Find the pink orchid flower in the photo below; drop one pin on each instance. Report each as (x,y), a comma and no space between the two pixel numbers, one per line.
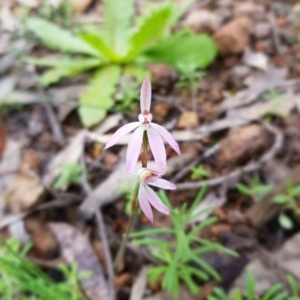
(147,196)
(155,134)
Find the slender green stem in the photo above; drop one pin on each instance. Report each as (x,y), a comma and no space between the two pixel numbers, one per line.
(120,254)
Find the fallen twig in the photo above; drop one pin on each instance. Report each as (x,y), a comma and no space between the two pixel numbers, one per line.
(55,125)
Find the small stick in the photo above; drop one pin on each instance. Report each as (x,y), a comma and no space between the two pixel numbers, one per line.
(54,123)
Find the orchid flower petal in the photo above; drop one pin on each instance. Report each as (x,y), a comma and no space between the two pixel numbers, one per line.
(122,131)
(155,201)
(167,136)
(157,147)
(145,98)
(144,203)
(162,184)
(134,149)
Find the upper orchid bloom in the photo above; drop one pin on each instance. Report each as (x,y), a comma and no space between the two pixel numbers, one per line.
(155,133)
(147,196)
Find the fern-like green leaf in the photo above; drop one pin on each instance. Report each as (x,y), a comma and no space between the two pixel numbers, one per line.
(150,28)
(98,96)
(184,51)
(57,38)
(118,16)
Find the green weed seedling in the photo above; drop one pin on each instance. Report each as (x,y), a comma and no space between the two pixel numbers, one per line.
(288,200)
(178,251)
(70,174)
(125,42)
(256,188)
(22,279)
(199,172)
(188,80)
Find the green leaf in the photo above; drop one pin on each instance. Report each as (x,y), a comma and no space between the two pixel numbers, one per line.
(271,293)
(263,189)
(282,199)
(285,221)
(57,38)
(295,191)
(150,28)
(147,232)
(118,16)
(66,68)
(282,296)
(98,96)
(237,294)
(243,189)
(220,293)
(207,268)
(155,272)
(250,285)
(184,51)
(97,41)
(186,276)
(293,285)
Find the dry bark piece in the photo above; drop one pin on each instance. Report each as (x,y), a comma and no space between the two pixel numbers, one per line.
(75,247)
(233,37)
(202,21)
(241,143)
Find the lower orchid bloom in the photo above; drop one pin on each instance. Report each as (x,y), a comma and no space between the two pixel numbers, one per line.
(155,134)
(147,197)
